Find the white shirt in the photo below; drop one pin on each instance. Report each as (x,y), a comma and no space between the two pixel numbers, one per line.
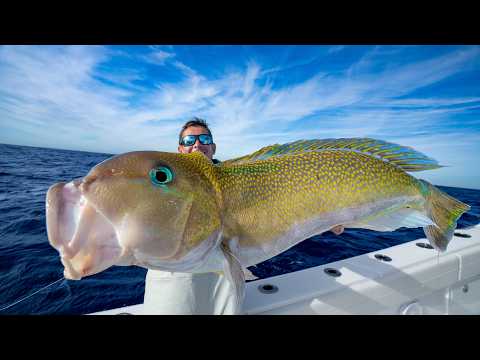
(173,293)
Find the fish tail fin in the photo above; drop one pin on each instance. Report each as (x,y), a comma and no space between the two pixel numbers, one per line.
(444,211)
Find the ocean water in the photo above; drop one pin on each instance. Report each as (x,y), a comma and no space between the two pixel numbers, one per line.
(28,263)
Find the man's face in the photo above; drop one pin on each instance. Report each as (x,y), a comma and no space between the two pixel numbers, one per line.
(208,150)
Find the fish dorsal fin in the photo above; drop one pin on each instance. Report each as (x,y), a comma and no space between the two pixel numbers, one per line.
(404,157)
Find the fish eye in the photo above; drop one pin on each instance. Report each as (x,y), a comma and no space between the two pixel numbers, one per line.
(161,175)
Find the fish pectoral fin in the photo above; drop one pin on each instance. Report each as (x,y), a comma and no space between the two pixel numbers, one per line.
(392,220)
(233,272)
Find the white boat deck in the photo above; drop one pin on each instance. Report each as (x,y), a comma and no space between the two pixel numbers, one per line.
(416,280)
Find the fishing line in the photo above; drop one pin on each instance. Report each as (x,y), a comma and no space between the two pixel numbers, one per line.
(25,298)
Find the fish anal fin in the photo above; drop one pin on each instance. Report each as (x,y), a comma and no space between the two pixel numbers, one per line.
(392,220)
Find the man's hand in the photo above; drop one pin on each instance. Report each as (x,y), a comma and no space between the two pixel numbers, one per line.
(337,230)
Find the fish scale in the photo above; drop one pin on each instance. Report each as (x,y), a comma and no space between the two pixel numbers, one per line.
(316,183)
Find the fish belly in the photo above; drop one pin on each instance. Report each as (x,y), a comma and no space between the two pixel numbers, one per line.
(382,215)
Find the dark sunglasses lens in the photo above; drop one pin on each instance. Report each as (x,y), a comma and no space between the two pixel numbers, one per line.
(205,139)
(188,140)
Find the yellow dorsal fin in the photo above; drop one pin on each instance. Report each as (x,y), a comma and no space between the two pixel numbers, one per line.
(404,157)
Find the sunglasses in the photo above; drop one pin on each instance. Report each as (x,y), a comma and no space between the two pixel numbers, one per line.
(189,140)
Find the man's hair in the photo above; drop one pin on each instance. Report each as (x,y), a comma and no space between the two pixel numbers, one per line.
(194,122)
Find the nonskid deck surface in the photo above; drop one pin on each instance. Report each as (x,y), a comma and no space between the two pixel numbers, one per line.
(409,278)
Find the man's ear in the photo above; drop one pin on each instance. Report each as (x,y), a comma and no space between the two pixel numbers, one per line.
(179,149)
(214,148)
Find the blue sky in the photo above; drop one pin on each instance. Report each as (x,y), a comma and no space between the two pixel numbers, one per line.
(116,99)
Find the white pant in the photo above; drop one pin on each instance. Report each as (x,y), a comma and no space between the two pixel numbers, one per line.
(168,293)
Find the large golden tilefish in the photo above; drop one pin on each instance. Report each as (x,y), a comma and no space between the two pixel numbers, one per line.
(182,213)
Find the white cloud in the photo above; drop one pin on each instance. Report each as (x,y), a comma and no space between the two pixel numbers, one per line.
(428,102)
(335,49)
(188,71)
(56,85)
(402,79)
(158,57)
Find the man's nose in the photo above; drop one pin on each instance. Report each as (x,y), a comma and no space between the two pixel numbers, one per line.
(197,144)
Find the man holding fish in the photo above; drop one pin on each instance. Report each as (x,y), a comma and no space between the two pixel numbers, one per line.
(189,293)
(178,213)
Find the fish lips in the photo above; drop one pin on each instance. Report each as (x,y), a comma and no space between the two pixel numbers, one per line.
(62,204)
(86,240)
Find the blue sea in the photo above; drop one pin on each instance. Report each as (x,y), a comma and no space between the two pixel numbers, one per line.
(28,263)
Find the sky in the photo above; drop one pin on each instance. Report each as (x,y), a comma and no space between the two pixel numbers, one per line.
(115,99)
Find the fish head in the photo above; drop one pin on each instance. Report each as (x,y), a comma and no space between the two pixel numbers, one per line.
(152,209)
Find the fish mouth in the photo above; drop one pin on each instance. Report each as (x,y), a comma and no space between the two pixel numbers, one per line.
(84,237)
